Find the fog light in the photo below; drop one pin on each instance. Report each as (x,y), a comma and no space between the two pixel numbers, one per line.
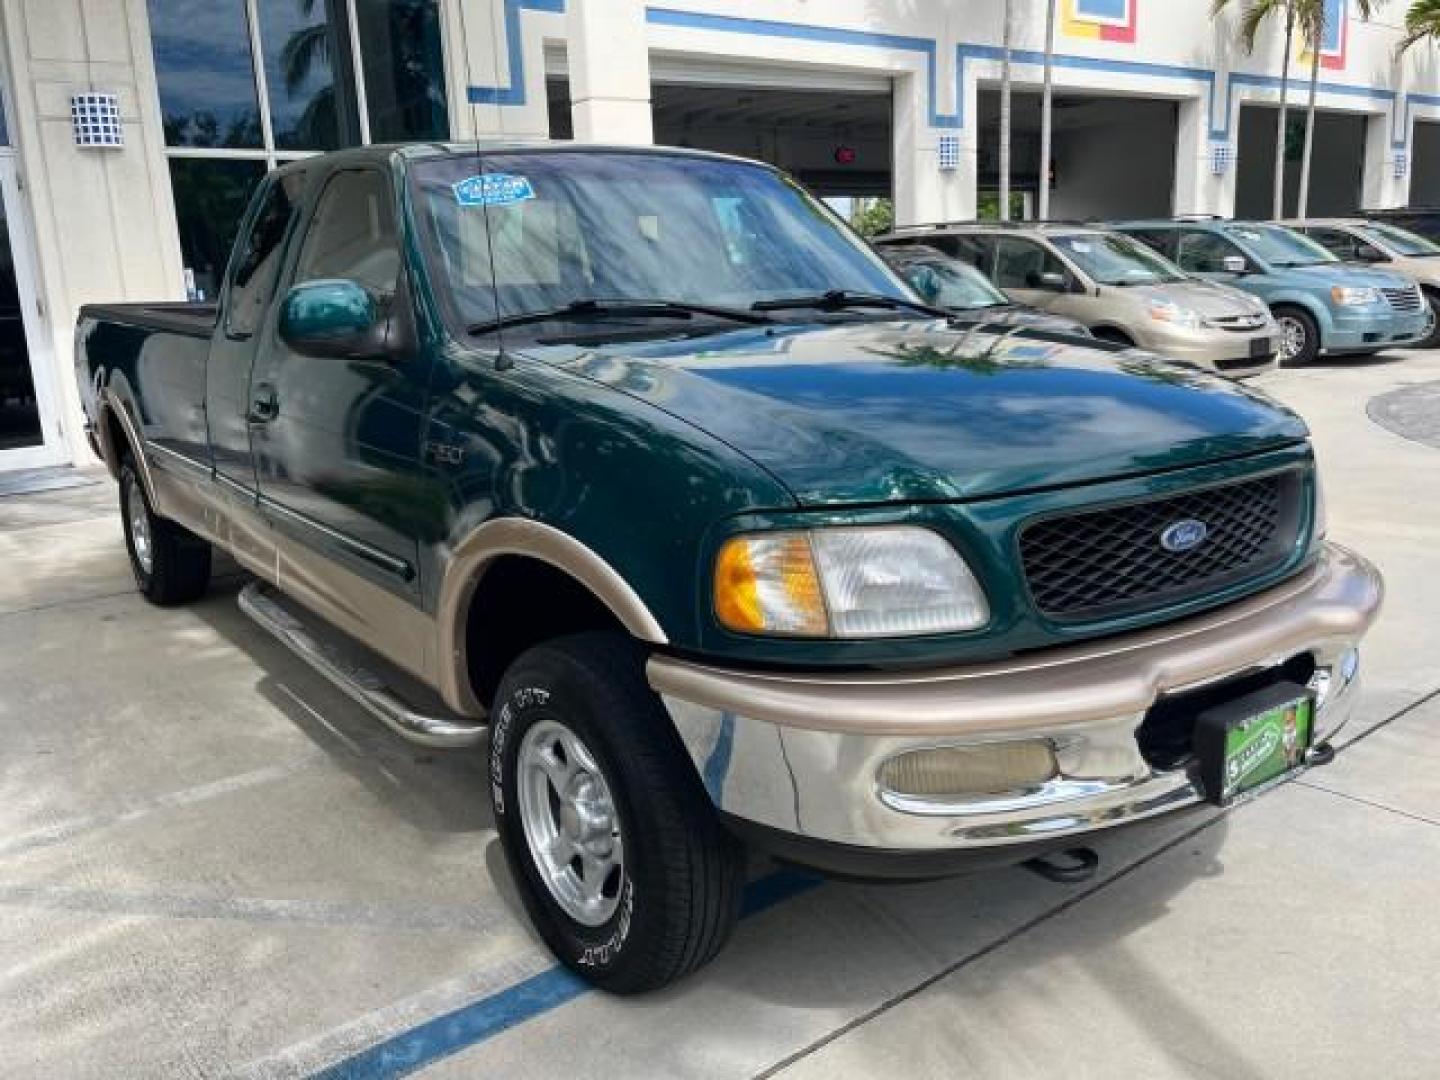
(984,769)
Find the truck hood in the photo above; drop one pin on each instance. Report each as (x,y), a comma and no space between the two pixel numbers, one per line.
(882,412)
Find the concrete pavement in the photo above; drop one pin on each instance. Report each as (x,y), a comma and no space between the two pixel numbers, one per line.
(211,864)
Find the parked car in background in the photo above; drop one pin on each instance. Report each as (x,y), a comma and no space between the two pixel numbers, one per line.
(1120,289)
(1424,220)
(1378,243)
(959,287)
(1321,304)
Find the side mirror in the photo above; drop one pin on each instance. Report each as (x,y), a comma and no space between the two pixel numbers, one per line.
(1235,264)
(333,319)
(1050,280)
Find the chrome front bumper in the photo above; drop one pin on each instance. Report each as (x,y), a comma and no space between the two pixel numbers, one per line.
(799,754)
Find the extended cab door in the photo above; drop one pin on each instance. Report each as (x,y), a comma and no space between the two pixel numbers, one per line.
(338,450)
(244,302)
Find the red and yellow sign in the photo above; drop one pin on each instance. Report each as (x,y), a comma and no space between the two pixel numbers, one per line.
(1103,20)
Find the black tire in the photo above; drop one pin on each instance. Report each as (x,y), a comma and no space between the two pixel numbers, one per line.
(179,561)
(1309,335)
(677,894)
(1432,298)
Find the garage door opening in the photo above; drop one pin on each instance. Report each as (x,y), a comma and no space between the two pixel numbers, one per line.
(1425,164)
(1111,157)
(1337,173)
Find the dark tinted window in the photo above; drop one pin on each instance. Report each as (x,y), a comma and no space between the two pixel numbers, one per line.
(204,71)
(353,233)
(974,250)
(258,256)
(210,200)
(1203,252)
(307,71)
(1019,263)
(1162,240)
(404,69)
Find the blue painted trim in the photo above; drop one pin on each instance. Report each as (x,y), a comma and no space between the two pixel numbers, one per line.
(690,20)
(1219,130)
(514,92)
(409,1051)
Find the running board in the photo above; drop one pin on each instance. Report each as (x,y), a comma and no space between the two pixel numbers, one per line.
(330,657)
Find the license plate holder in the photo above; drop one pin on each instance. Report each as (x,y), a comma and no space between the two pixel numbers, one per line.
(1253,739)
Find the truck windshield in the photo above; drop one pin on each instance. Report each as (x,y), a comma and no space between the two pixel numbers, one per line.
(1279,246)
(1399,241)
(536,234)
(1110,259)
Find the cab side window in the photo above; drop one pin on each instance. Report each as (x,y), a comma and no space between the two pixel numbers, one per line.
(1019,263)
(352,235)
(258,255)
(1202,252)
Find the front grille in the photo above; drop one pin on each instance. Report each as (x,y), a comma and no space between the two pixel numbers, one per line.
(1407,299)
(1110,562)
(1238,324)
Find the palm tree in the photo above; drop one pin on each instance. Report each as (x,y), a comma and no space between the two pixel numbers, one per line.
(1312,20)
(1005,112)
(1252,18)
(1422,22)
(1047,110)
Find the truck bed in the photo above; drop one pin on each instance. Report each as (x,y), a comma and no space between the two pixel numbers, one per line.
(194,319)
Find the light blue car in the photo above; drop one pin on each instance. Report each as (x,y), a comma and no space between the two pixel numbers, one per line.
(1321,304)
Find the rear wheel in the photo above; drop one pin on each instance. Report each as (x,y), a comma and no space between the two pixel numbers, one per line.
(614,845)
(1299,336)
(170,563)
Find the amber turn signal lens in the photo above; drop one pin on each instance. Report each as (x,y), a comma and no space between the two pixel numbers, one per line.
(767,584)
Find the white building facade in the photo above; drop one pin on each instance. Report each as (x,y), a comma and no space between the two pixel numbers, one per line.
(1158,111)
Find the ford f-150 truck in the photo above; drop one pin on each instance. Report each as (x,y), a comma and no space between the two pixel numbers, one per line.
(637,467)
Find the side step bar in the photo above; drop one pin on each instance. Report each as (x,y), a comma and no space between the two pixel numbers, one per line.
(269,609)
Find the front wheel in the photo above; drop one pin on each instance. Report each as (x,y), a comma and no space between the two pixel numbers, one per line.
(622,865)
(1432,339)
(1299,336)
(171,564)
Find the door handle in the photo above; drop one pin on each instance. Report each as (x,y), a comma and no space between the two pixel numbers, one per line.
(264,404)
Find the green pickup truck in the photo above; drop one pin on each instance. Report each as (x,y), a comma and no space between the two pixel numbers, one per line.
(638,468)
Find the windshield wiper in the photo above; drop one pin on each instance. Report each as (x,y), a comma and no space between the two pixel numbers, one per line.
(843,299)
(594,308)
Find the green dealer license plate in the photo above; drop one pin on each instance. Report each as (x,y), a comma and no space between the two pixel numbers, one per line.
(1252,740)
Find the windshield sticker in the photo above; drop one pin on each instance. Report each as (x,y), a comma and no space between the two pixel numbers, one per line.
(1081,246)
(493,189)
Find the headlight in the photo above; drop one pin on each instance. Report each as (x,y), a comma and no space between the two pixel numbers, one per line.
(1174,313)
(1347,296)
(885,581)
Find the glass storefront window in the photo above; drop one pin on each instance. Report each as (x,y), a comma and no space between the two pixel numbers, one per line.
(404,69)
(205,73)
(305,44)
(210,198)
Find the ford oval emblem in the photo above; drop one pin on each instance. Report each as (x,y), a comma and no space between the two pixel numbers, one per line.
(1185,535)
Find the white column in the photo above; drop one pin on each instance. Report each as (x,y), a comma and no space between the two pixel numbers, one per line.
(1197,189)
(609,71)
(925,193)
(1382,188)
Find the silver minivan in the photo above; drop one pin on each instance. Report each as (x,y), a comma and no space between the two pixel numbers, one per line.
(1119,288)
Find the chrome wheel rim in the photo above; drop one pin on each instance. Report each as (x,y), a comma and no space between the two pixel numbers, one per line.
(139,518)
(570,823)
(1292,337)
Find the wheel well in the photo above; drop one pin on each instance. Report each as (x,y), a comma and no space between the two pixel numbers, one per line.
(1294,305)
(518,603)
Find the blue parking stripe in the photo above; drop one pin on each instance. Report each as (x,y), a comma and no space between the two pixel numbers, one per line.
(413,1049)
